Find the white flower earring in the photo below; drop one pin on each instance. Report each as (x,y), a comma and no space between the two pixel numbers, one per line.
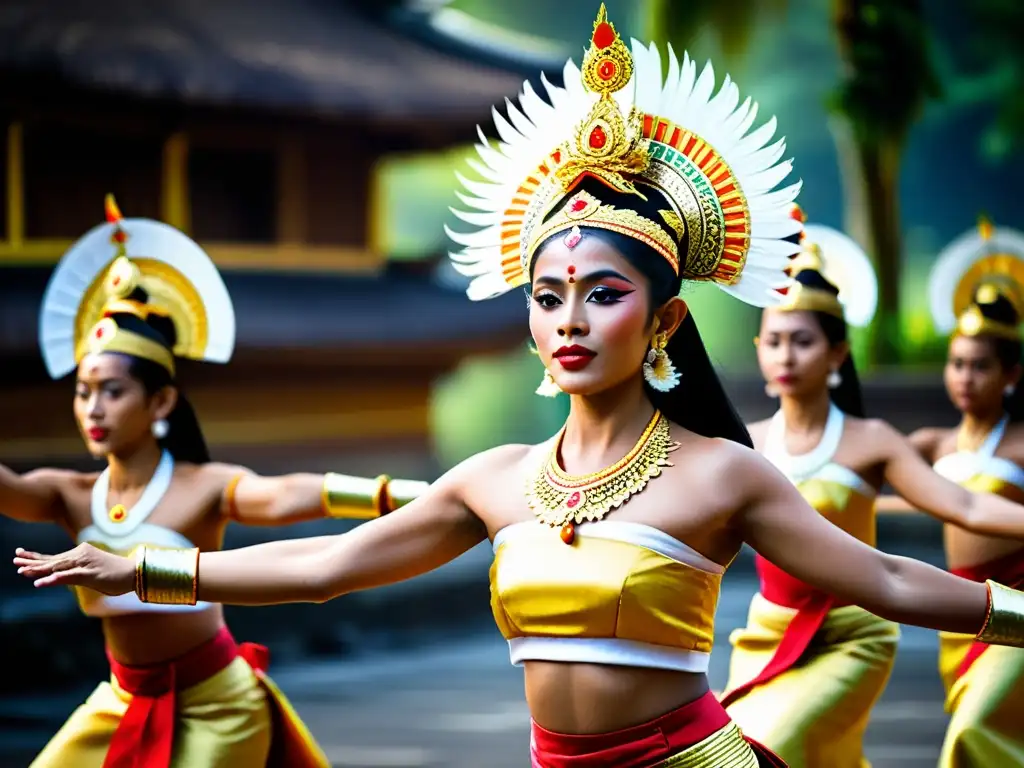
(834,379)
(160,429)
(771,390)
(658,369)
(548,387)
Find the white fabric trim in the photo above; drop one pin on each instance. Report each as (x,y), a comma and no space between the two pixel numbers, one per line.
(804,466)
(600,650)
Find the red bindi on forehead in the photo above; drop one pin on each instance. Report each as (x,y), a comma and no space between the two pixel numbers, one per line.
(572,271)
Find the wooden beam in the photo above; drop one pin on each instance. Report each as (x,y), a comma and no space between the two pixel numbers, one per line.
(174,198)
(15,186)
(292,218)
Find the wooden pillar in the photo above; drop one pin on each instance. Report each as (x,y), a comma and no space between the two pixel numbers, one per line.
(174,200)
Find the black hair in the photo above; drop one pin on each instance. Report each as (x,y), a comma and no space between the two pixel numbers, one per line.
(1007,351)
(184,440)
(847,396)
(699,402)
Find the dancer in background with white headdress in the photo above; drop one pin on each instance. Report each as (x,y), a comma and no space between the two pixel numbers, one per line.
(809,666)
(126,300)
(611,538)
(977,295)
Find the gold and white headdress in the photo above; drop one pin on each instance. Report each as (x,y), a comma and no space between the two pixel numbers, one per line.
(841,262)
(978,268)
(96,281)
(620,121)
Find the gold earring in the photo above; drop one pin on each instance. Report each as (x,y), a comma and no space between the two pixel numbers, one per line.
(659,371)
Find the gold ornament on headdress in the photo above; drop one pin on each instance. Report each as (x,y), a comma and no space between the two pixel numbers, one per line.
(993,276)
(102,277)
(806,298)
(627,138)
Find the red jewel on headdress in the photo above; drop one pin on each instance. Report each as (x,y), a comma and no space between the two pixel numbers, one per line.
(578,205)
(607,69)
(119,236)
(99,333)
(598,138)
(604,35)
(116,281)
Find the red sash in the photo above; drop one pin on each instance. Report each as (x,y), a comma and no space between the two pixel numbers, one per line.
(1008,571)
(642,745)
(145,735)
(812,607)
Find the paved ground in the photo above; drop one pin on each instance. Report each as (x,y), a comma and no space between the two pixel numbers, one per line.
(460,704)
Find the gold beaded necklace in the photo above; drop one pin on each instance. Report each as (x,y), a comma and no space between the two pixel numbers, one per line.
(560,499)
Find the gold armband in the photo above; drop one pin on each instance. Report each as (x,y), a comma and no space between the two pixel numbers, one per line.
(167,576)
(1004,624)
(345,496)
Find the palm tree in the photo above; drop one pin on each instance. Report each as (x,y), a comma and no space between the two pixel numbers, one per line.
(887,78)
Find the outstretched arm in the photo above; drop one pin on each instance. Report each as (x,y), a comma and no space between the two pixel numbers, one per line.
(34,497)
(251,499)
(923,488)
(429,532)
(777,522)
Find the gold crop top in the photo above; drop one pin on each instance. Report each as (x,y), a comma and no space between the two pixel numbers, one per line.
(622,593)
(844,499)
(981,471)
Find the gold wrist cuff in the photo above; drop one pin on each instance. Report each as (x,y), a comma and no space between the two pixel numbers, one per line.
(167,576)
(345,496)
(1004,624)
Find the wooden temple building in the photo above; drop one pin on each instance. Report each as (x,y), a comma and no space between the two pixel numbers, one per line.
(256,128)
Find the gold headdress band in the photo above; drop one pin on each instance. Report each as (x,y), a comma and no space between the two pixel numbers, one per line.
(619,120)
(122,279)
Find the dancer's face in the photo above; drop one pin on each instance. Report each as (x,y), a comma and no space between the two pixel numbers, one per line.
(974,376)
(794,354)
(114,412)
(591,316)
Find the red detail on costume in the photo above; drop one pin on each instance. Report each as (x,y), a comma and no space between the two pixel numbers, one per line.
(145,735)
(604,35)
(573,500)
(812,607)
(99,333)
(568,533)
(578,205)
(639,746)
(116,281)
(598,138)
(117,514)
(607,69)
(1008,571)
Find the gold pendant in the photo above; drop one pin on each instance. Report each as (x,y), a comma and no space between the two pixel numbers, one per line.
(562,500)
(117,513)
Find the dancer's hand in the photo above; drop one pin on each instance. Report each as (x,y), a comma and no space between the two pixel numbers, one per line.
(83,566)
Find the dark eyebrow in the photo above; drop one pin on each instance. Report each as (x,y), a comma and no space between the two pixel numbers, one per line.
(591,277)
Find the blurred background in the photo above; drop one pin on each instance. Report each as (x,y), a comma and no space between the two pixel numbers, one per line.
(310,146)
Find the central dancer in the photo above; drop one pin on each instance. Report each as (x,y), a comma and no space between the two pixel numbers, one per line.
(611,538)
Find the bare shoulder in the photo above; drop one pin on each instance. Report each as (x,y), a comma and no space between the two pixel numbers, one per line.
(725,465)
(493,462)
(930,441)
(877,432)
(759,432)
(213,472)
(1012,445)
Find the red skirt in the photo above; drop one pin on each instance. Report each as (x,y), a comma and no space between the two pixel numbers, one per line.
(647,745)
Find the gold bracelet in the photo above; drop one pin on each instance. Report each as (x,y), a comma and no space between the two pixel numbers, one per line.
(168,576)
(345,496)
(1004,624)
(140,572)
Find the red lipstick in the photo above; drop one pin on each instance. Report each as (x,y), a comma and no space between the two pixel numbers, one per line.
(575,357)
(97,434)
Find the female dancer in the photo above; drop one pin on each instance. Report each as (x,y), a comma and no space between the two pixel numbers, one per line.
(808,667)
(977,293)
(182,691)
(602,202)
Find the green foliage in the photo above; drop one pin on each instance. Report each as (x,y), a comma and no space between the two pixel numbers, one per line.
(888,74)
(490,401)
(681,22)
(999,28)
